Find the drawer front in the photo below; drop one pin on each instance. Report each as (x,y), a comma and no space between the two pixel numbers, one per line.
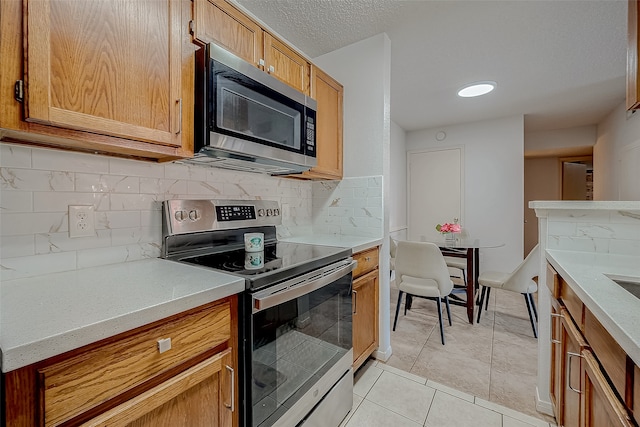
(572,302)
(612,357)
(367,261)
(89,379)
(553,281)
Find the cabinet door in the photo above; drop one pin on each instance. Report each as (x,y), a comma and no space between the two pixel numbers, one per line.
(633,54)
(216,21)
(203,395)
(636,393)
(286,65)
(600,405)
(572,344)
(108,67)
(365,317)
(329,95)
(556,381)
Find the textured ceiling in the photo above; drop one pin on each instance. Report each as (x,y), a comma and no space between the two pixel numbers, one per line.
(559,63)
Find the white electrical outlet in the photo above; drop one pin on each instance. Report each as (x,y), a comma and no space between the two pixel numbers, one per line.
(81,221)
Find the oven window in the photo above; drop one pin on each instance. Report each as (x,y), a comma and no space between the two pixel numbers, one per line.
(294,344)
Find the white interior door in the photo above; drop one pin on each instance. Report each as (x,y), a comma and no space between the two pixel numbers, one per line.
(434,184)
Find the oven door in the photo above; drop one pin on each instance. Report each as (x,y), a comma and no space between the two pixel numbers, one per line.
(299,345)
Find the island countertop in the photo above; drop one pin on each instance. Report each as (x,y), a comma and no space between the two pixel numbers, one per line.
(44,316)
(614,307)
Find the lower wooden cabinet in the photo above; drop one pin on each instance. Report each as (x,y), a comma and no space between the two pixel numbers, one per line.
(600,406)
(636,393)
(365,305)
(199,396)
(131,379)
(590,380)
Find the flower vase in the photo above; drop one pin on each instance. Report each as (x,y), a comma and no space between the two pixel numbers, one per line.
(450,238)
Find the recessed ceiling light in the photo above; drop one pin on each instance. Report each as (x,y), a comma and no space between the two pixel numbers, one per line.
(476,89)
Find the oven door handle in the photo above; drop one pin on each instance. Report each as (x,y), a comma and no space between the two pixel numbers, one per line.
(300,286)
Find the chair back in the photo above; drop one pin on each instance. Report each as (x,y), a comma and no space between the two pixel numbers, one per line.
(423,260)
(520,280)
(392,253)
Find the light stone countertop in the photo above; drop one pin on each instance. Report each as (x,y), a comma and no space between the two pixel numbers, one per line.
(44,316)
(356,243)
(615,308)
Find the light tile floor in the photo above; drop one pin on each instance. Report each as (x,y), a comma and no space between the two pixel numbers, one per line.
(485,375)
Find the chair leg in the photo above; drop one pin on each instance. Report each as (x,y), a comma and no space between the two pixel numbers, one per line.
(446,301)
(395,322)
(408,300)
(486,304)
(533,305)
(482,296)
(439,305)
(529,309)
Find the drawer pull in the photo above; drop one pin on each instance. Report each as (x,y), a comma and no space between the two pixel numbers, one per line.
(232,406)
(355,302)
(569,356)
(164,344)
(367,258)
(554,341)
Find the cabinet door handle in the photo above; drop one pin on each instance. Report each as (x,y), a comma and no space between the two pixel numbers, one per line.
(554,341)
(367,259)
(355,302)
(179,127)
(569,356)
(232,373)
(272,69)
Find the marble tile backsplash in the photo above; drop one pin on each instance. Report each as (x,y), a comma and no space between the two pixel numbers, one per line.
(37,185)
(352,206)
(601,231)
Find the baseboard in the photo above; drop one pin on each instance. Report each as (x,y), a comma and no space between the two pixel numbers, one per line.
(383,356)
(543,406)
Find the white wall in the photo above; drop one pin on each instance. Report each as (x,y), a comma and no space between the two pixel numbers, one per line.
(364,69)
(494,182)
(615,133)
(398,183)
(552,140)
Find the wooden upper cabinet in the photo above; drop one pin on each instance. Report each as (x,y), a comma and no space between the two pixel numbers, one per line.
(216,21)
(633,53)
(286,65)
(329,95)
(108,67)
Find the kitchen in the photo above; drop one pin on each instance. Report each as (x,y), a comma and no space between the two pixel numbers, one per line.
(126,193)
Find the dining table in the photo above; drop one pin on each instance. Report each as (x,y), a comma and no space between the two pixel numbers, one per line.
(469,248)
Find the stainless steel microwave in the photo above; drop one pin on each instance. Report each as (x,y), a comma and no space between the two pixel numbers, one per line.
(248,120)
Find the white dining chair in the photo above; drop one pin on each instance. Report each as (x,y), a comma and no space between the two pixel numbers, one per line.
(422,272)
(519,280)
(392,254)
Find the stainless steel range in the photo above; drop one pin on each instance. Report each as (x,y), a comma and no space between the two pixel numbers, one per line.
(295,315)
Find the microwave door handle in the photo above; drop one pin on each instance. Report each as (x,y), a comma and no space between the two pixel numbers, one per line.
(273,298)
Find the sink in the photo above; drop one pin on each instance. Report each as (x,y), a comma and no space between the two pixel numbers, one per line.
(631,284)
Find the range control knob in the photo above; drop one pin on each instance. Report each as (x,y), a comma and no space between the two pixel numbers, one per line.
(180,215)
(269,212)
(276,212)
(194,215)
(261,212)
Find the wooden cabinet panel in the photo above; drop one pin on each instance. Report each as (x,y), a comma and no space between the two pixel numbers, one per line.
(90,378)
(633,54)
(286,65)
(556,381)
(365,317)
(609,353)
(553,282)
(600,405)
(329,130)
(367,261)
(199,396)
(636,393)
(88,67)
(82,80)
(572,302)
(572,344)
(216,21)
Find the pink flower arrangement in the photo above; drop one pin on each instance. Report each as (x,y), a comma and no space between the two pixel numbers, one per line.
(449,227)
